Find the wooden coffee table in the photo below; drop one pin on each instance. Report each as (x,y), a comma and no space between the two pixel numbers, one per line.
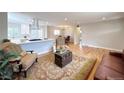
(62,59)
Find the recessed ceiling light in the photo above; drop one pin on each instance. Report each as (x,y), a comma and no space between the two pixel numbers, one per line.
(66,19)
(103,18)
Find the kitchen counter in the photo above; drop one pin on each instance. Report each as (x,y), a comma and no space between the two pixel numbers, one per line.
(40,46)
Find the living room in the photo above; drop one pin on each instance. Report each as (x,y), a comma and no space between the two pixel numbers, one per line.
(71,46)
(86,42)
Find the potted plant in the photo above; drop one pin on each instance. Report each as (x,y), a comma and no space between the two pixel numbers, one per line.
(6,70)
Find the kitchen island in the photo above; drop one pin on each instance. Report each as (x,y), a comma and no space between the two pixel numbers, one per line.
(39,46)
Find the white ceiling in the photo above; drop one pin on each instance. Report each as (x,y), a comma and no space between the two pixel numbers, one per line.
(74,18)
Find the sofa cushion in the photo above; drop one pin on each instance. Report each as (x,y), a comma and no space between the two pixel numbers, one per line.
(104,72)
(114,63)
(110,66)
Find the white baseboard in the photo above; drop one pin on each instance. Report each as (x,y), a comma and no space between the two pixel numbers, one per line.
(105,48)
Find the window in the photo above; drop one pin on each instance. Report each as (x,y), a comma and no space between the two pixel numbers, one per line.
(18,31)
(14,31)
(25,29)
(34,34)
(56,32)
(38,33)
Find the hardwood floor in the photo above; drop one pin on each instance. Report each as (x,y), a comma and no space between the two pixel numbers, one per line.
(89,52)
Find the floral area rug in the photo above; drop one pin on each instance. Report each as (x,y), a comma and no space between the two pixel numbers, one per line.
(46,69)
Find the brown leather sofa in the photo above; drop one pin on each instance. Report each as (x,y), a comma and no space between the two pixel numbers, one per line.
(111,67)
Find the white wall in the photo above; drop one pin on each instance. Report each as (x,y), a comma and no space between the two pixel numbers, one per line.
(108,34)
(3,25)
(50,32)
(76,32)
(69,31)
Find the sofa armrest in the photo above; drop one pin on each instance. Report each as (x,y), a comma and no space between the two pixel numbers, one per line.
(116,54)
